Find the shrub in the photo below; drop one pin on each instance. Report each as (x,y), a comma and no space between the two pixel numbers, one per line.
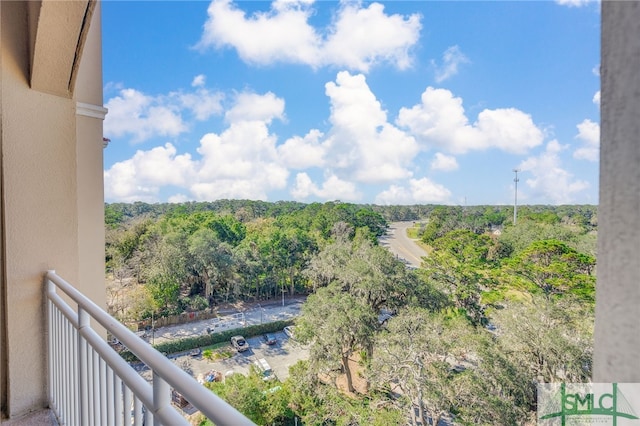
(188,343)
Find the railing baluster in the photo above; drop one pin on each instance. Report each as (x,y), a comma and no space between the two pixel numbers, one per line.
(127,405)
(83,321)
(71,383)
(149,418)
(75,394)
(53,386)
(117,396)
(56,364)
(96,388)
(50,288)
(90,384)
(109,396)
(66,372)
(103,392)
(161,395)
(59,369)
(137,412)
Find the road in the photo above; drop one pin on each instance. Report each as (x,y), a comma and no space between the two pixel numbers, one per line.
(255,315)
(398,243)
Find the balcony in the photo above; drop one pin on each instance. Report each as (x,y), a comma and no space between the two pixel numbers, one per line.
(89,383)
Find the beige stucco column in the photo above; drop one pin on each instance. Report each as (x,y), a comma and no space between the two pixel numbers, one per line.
(51,177)
(617,332)
(90,115)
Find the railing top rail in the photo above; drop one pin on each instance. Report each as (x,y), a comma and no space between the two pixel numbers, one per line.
(212,406)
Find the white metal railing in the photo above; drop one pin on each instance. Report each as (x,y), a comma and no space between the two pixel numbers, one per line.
(90,384)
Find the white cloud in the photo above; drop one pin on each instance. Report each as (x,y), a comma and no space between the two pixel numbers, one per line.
(333,188)
(303,153)
(440,121)
(141,177)
(241,162)
(199,80)
(141,116)
(445,163)
(255,107)
(596,98)
(202,103)
(451,59)
(550,182)
(363,144)
(364,36)
(358,38)
(419,191)
(575,3)
(589,134)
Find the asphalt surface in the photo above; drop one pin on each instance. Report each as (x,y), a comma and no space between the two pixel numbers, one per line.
(398,243)
(256,315)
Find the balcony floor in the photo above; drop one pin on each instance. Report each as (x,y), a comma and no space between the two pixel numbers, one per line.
(39,418)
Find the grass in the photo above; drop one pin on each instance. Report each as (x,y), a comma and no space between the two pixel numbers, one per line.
(215,346)
(413,231)
(217,352)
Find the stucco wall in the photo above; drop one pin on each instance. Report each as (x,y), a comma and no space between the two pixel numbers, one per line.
(52,204)
(617,334)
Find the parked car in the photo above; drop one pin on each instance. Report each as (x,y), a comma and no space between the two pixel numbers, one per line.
(239,343)
(264,369)
(270,339)
(289,331)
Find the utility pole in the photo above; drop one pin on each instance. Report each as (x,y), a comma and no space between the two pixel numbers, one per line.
(515,202)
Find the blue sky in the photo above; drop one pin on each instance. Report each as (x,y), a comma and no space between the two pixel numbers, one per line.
(400,102)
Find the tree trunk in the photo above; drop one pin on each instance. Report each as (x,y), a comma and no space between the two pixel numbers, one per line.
(436,419)
(347,372)
(422,415)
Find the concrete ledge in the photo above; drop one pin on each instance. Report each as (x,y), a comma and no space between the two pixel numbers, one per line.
(39,418)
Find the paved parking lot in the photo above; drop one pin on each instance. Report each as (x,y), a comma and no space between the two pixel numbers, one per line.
(280,357)
(285,353)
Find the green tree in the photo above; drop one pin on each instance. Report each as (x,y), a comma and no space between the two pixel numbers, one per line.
(419,353)
(495,389)
(335,337)
(214,261)
(552,338)
(458,263)
(164,270)
(555,268)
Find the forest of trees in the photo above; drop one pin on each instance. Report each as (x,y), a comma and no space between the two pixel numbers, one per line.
(493,310)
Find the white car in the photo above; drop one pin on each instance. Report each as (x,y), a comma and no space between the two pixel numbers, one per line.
(239,343)
(289,330)
(264,369)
